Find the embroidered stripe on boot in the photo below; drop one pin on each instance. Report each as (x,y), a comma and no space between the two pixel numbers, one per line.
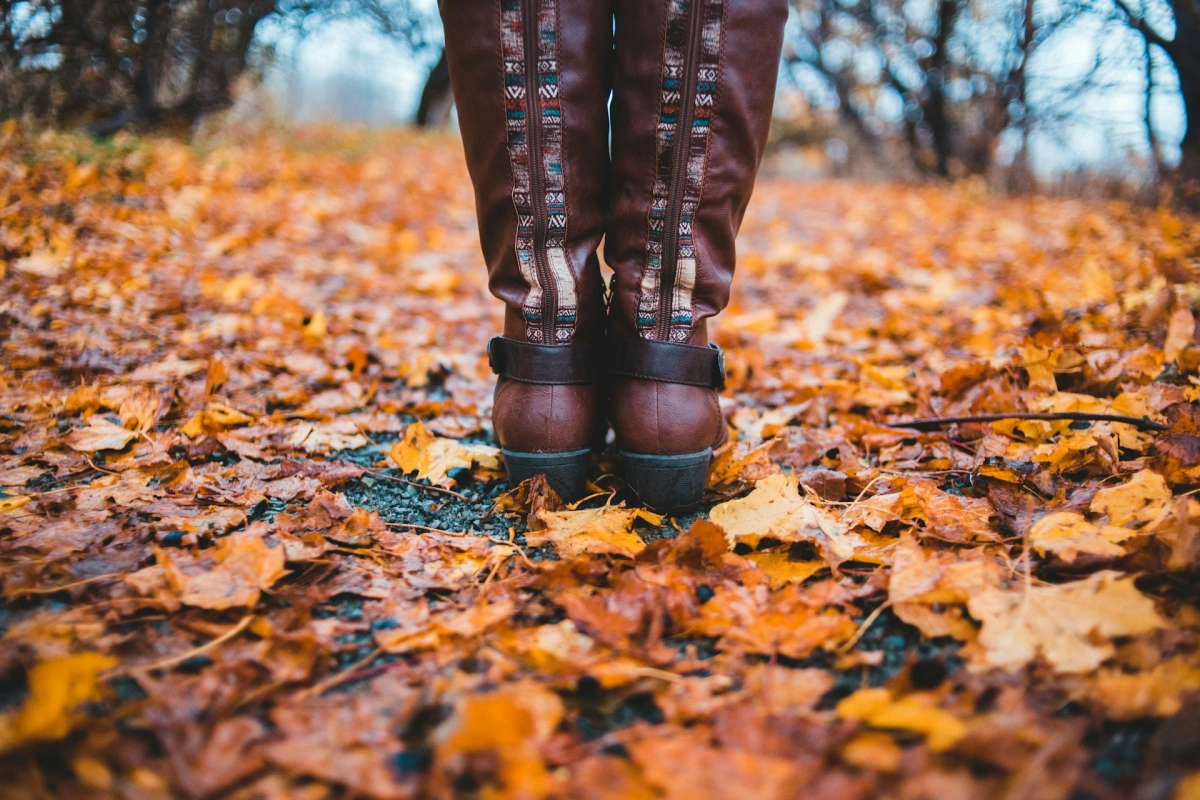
(534,127)
(689,88)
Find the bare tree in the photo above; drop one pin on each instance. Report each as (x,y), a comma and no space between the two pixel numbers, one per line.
(1183,52)
(153,63)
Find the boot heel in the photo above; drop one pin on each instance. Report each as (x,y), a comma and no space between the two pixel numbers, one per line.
(672,484)
(565,472)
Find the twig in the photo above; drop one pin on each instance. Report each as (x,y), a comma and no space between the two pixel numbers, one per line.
(217,642)
(874,615)
(928,423)
(426,528)
(92,464)
(407,482)
(341,677)
(64,587)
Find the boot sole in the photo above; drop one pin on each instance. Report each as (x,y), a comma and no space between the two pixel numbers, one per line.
(671,484)
(565,472)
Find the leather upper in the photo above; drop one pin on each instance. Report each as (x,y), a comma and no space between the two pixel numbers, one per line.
(692,86)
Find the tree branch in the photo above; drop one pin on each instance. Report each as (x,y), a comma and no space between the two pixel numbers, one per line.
(932,423)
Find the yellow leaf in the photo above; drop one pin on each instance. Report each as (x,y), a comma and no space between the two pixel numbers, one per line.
(734,462)
(1067,534)
(340,434)
(57,688)
(140,409)
(99,435)
(445,627)
(509,725)
(432,457)
(914,712)
(1069,624)
(1157,692)
(1188,788)
(13,503)
(43,263)
(317,327)
(875,751)
(1144,500)
(603,530)
(214,419)
(781,570)
(1039,364)
(928,587)
(947,516)
(775,509)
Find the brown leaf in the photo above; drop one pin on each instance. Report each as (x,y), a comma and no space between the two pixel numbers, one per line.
(100,435)
(244,565)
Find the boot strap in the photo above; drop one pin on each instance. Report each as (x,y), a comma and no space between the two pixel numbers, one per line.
(667,362)
(545,364)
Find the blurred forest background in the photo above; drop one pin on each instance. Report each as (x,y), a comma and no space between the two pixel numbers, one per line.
(1082,96)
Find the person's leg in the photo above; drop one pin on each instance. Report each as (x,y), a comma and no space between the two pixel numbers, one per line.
(692,95)
(531,80)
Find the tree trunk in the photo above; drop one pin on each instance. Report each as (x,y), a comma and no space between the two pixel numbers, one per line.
(1184,51)
(935,89)
(436,101)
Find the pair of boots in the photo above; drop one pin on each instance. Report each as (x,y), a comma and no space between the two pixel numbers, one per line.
(662,175)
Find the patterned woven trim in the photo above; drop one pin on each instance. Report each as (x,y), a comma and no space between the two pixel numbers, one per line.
(705,65)
(547,245)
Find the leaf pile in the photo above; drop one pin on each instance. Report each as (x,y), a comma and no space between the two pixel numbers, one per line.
(255,542)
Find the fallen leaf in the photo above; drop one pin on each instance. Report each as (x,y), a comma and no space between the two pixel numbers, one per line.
(1156,692)
(433,457)
(913,712)
(928,587)
(100,435)
(1071,625)
(776,510)
(215,419)
(57,688)
(1144,500)
(1180,331)
(875,751)
(510,724)
(1066,534)
(599,531)
(244,565)
(13,503)
(782,570)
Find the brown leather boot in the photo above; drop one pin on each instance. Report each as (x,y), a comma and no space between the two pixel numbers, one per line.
(531,80)
(692,95)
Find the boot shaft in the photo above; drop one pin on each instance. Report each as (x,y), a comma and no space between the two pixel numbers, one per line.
(531,80)
(693,88)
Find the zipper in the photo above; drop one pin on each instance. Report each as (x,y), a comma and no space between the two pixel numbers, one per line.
(682,141)
(537,188)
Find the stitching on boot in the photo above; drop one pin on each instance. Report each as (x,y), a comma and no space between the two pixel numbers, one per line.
(518,113)
(702,104)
